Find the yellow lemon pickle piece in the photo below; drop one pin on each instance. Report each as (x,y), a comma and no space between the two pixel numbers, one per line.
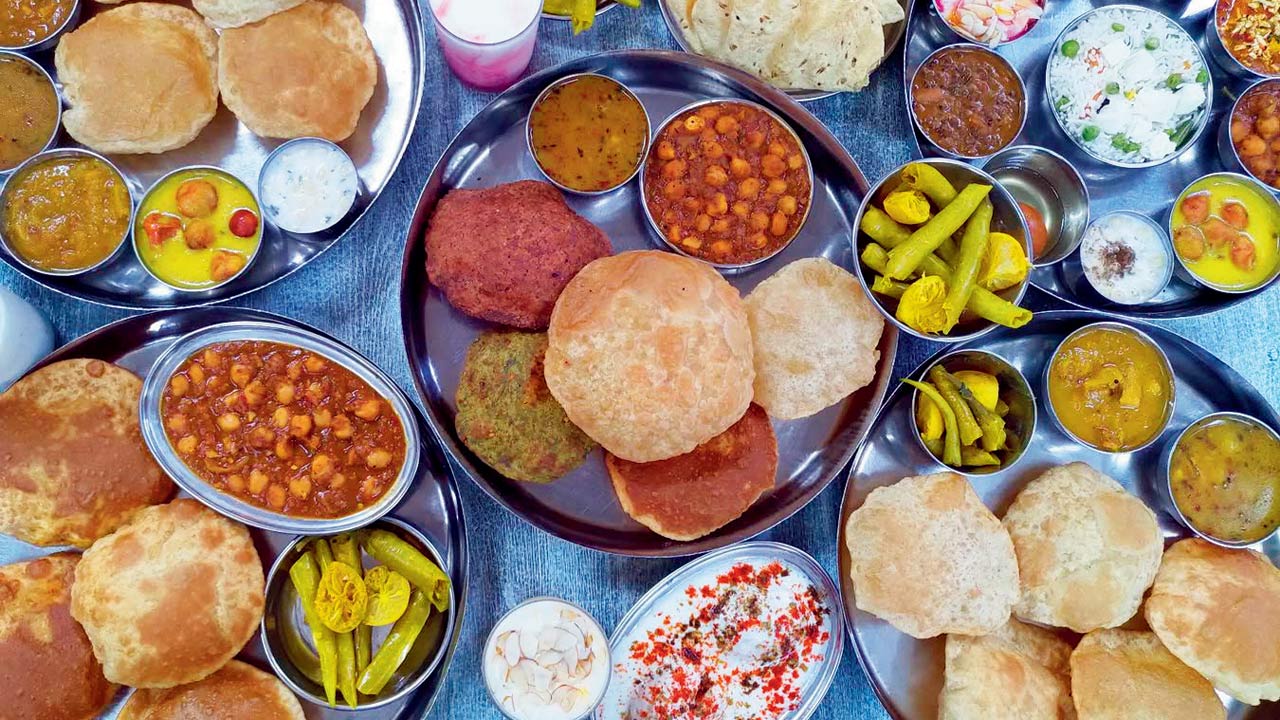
(342,600)
(984,386)
(909,207)
(921,305)
(388,595)
(1005,263)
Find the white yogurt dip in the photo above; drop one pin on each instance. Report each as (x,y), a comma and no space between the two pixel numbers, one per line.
(546,660)
(308,185)
(1126,258)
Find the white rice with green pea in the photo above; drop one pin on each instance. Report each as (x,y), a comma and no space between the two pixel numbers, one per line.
(1128,84)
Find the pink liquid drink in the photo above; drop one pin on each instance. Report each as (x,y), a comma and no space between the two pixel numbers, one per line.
(487,43)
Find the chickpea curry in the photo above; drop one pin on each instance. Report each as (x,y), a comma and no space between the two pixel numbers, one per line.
(589,134)
(1255,131)
(1226,231)
(1111,389)
(1225,479)
(728,183)
(283,428)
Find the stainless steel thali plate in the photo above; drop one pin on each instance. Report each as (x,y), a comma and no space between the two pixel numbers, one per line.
(395,29)
(906,673)
(1149,191)
(581,507)
(432,505)
(893,34)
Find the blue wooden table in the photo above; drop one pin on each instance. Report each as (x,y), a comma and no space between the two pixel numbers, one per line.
(352,292)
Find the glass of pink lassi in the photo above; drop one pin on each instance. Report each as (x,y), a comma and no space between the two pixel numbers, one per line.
(487,43)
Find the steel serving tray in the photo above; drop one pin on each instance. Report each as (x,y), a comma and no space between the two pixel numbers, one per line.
(581,507)
(396,31)
(906,673)
(432,506)
(754,552)
(893,34)
(1150,191)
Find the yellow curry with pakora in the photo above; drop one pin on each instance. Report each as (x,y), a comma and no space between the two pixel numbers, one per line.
(1224,475)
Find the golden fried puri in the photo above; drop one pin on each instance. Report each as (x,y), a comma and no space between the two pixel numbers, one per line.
(1130,675)
(140,78)
(238,691)
(1218,610)
(234,13)
(650,354)
(1087,549)
(47,668)
(928,557)
(816,335)
(171,597)
(308,71)
(1018,672)
(75,467)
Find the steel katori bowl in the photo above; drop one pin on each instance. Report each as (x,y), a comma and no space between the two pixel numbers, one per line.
(1057,187)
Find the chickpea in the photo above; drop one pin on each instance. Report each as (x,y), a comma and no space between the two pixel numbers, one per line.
(787,205)
(1241,127)
(668,216)
(758,240)
(673,190)
(739,168)
(341,427)
(257,481)
(772,166)
(235,483)
(749,188)
(755,139)
(261,437)
(300,426)
(675,169)
(740,209)
(721,247)
(726,124)
(709,112)
(692,242)
(712,150)
(294,370)
(275,496)
(1252,146)
(314,393)
(778,224)
(179,385)
(241,374)
(281,417)
(196,373)
(285,393)
(378,458)
(254,393)
(370,488)
(1267,127)
(187,444)
(322,466)
(368,410)
(284,449)
(322,417)
(674,233)
(314,363)
(702,223)
(233,400)
(777,187)
(1275,145)
(759,220)
(692,204)
(719,205)
(666,151)
(1260,165)
(716,176)
(212,358)
(229,422)
(777,149)
(694,124)
(720,227)
(216,384)
(300,488)
(337,481)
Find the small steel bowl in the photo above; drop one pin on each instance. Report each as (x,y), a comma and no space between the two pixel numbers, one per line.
(57,120)
(1134,332)
(1166,469)
(139,235)
(1227,149)
(1224,58)
(1160,231)
(72,18)
(1187,144)
(285,634)
(153,432)
(1015,391)
(484,650)
(1048,180)
(602,7)
(274,157)
(528,132)
(56,154)
(644,170)
(970,47)
(1007,219)
(1268,196)
(944,32)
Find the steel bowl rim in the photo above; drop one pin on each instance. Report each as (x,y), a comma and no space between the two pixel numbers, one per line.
(57,120)
(1004,365)
(860,272)
(1230,115)
(644,151)
(1166,469)
(134,236)
(1205,112)
(1164,236)
(489,637)
(1269,197)
(419,676)
(968,45)
(1142,336)
(1075,173)
(271,158)
(644,170)
(73,17)
(1241,69)
(156,439)
(54,153)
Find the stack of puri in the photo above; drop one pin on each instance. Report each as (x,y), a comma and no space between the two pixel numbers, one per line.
(145,77)
(1070,607)
(652,356)
(164,594)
